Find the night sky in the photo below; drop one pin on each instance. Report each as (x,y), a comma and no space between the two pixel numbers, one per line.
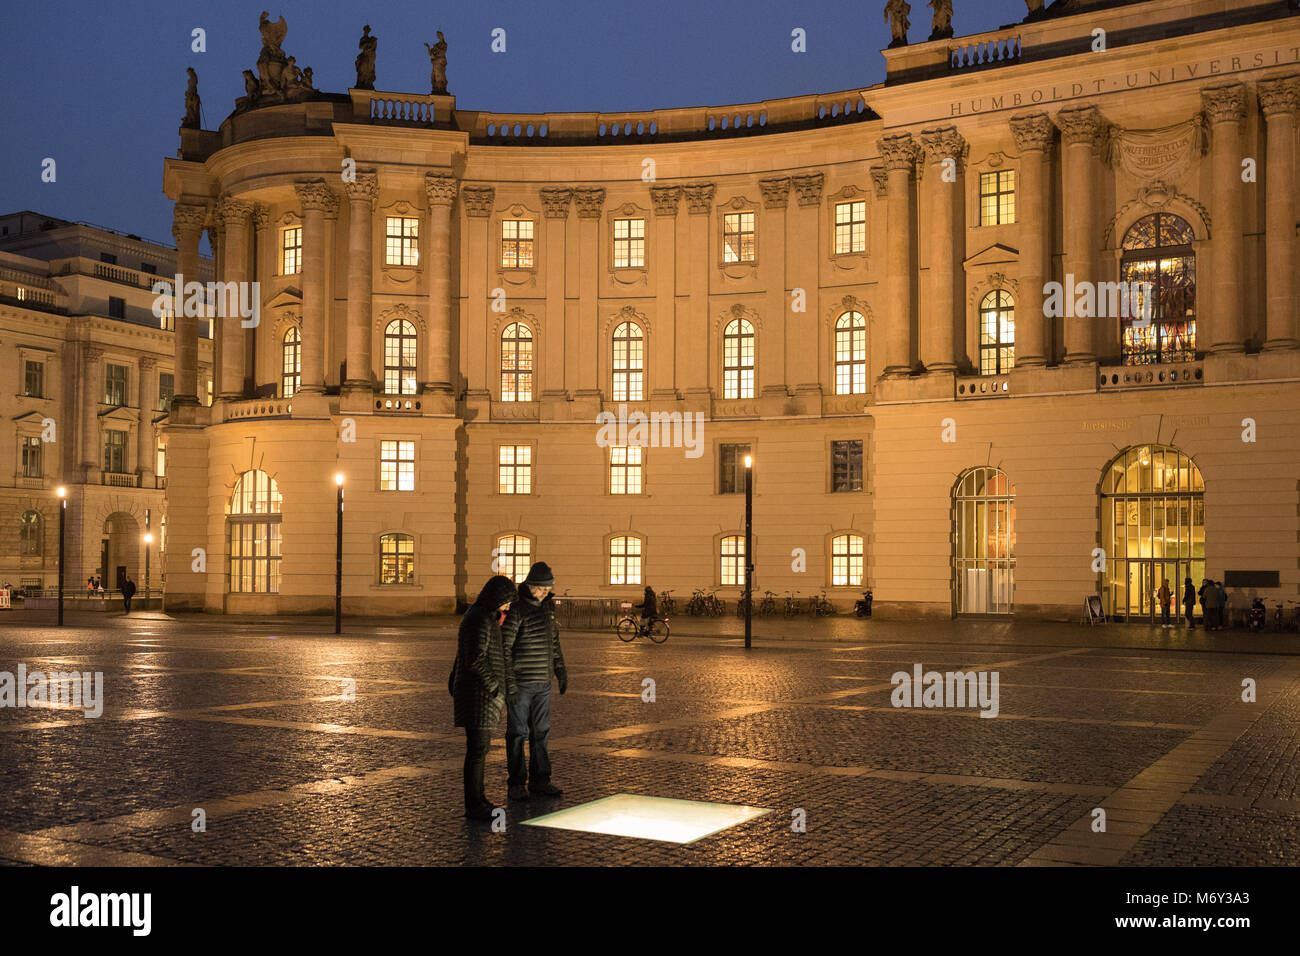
(100,86)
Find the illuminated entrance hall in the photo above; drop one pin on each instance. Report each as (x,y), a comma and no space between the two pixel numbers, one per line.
(1153,528)
(984,542)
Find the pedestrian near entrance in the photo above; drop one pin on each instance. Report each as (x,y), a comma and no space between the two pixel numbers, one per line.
(1221,594)
(128,592)
(1189,602)
(533,657)
(1166,598)
(480,682)
(1209,606)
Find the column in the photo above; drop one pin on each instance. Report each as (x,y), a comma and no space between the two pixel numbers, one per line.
(1225,106)
(440,189)
(1081,129)
(477,201)
(945,196)
(774,346)
(1278,98)
(1033,135)
(556,203)
(803,246)
(317,200)
(92,389)
(147,447)
(234,215)
(899,154)
(216,239)
(692,328)
(259,343)
(590,201)
(187,226)
(362,193)
(663,267)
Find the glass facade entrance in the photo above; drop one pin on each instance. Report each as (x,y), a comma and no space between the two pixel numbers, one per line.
(1152,529)
(984,542)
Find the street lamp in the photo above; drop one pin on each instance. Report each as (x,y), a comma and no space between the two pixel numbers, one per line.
(63,513)
(338,561)
(148,540)
(749,546)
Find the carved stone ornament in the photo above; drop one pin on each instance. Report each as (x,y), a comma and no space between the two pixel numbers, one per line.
(477,200)
(233,211)
(1280,94)
(776,191)
(590,201)
(440,189)
(1033,131)
(188,217)
(666,199)
(1226,103)
(261,215)
(364,189)
(898,151)
(699,198)
(1081,124)
(809,187)
(556,201)
(1156,154)
(880,179)
(317,195)
(944,142)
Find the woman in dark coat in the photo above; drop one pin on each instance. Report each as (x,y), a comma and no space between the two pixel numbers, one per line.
(479,683)
(1189,601)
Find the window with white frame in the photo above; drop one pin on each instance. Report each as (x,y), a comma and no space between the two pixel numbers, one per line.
(738,359)
(629,363)
(400,344)
(396,465)
(847,559)
(291,251)
(738,244)
(401,241)
(396,559)
(850,227)
(625,560)
(732,555)
(515,469)
(625,464)
(514,556)
(851,354)
(517,244)
(629,243)
(517,363)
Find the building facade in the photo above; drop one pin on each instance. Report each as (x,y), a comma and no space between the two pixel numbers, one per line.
(855,290)
(92,372)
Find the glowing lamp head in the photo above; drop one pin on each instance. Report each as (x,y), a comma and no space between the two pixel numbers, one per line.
(338,479)
(148,537)
(749,461)
(61,492)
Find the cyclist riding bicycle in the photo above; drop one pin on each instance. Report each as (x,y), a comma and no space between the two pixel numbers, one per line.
(649,608)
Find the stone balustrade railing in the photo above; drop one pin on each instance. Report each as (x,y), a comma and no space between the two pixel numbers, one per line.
(1116,378)
(984,49)
(982,386)
(258,408)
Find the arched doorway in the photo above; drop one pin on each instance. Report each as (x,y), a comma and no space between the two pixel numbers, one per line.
(983,542)
(1152,527)
(119,549)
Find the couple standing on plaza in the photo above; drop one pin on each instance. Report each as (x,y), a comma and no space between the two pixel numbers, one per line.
(508,651)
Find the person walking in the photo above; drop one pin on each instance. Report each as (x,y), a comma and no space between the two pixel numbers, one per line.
(1189,602)
(533,657)
(479,683)
(1166,598)
(128,592)
(1222,596)
(1207,606)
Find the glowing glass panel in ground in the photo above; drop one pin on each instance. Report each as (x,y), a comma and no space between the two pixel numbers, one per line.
(650,818)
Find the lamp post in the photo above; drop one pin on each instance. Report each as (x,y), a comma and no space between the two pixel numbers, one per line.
(338,560)
(749,547)
(63,513)
(148,542)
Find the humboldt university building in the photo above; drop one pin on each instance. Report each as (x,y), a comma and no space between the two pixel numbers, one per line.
(1014,327)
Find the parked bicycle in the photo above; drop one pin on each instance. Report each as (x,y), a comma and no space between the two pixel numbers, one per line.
(1286,619)
(819,605)
(714,606)
(767,606)
(667,606)
(697,606)
(792,605)
(740,605)
(630,628)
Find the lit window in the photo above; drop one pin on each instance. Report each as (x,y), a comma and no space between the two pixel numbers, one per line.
(517,363)
(997,333)
(514,556)
(629,363)
(738,360)
(396,466)
(31,538)
(846,560)
(846,466)
(733,560)
(1159,262)
(515,469)
(517,244)
(399,358)
(738,237)
(115,452)
(731,469)
(253,534)
(850,227)
(290,362)
(34,379)
(402,241)
(114,384)
(625,469)
(396,559)
(625,560)
(998,197)
(851,354)
(160,461)
(629,243)
(33,466)
(291,251)
(166,390)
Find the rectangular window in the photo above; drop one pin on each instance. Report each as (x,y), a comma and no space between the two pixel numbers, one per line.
(160,461)
(291,251)
(397,466)
(32,465)
(149,267)
(733,560)
(515,470)
(114,384)
(254,557)
(108,257)
(166,389)
(397,559)
(731,469)
(998,197)
(115,452)
(625,469)
(850,227)
(738,237)
(34,379)
(629,243)
(402,241)
(517,244)
(625,560)
(116,307)
(846,466)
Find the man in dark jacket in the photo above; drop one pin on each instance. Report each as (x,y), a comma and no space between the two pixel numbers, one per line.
(128,592)
(480,682)
(532,646)
(649,607)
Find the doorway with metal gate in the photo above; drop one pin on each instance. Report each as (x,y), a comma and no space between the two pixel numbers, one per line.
(983,542)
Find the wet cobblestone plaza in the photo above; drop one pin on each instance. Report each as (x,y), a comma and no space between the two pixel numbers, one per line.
(249,721)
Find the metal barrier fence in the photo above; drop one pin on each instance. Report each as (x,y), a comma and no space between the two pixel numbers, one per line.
(589,613)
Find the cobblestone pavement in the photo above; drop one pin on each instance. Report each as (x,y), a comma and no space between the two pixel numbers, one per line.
(248,721)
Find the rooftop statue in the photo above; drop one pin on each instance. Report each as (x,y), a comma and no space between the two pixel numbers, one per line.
(896,12)
(1035,9)
(191,120)
(438,62)
(278,79)
(366,60)
(270,64)
(941,25)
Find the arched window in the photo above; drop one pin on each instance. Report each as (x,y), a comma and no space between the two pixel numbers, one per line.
(733,560)
(625,560)
(290,362)
(851,354)
(1158,259)
(847,559)
(514,556)
(253,532)
(997,333)
(517,363)
(629,363)
(738,359)
(31,537)
(984,542)
(396,559)
(399,358)
(1152,527)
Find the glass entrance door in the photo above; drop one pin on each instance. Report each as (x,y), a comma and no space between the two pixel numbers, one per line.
(984,543)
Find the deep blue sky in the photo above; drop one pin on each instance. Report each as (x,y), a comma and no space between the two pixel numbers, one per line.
(99,85)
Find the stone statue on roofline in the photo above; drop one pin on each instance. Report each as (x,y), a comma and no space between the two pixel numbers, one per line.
(1036,11)
(366,59)
(278,79)
(270,63)
(438,64)
(191,120)
(896,12)
(941,24)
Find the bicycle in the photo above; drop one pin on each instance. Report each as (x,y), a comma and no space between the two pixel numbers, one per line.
(713,605)
(767,606)
(630,628)
(792,605)
(667,605)
(696,606)
(819,605)
(740,605)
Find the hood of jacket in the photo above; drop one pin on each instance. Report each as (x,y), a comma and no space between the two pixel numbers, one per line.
(499,590)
